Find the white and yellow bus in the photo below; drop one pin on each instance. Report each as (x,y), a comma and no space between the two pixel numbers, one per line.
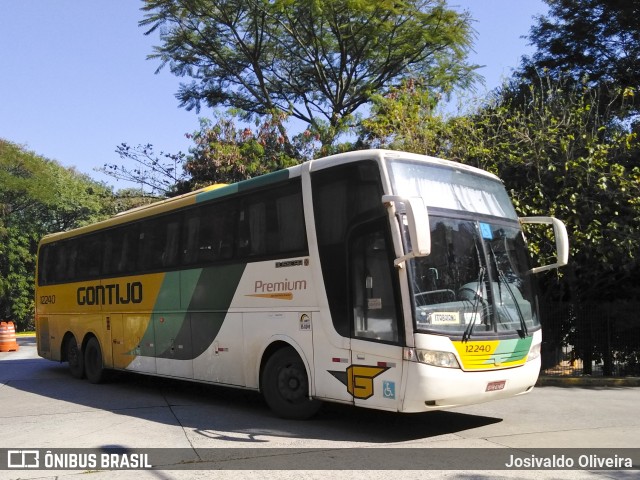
(375,278)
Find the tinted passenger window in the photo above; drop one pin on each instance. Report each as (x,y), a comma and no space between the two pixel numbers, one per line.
(151,241)
(208,234)
(121,250)
(272,223)
(267,223)
(88,257)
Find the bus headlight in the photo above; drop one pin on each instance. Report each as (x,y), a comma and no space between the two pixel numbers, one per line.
(432,357)
(534,353)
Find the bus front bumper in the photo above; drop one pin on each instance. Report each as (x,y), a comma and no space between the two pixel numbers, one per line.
(436,388)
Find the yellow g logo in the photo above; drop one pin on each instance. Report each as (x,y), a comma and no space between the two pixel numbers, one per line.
(359,379)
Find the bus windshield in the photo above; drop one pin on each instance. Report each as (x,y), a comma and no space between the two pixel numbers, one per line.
(476,280)
(450,188)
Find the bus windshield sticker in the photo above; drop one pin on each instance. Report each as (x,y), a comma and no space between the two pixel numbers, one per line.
(485,229)
(374,303)
(445,318)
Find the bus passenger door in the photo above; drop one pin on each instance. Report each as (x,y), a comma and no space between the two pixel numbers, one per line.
(377,328)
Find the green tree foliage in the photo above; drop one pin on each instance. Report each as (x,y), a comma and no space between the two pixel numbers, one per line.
(222,152)
(37,196)
(558,155)
(156,173)
(405,118)
(226,153)
(128,198)
(596,40)
(316,61)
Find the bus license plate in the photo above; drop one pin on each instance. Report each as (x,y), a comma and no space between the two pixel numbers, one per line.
(495,386)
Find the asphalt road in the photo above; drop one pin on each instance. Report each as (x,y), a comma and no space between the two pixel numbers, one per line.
(43,407)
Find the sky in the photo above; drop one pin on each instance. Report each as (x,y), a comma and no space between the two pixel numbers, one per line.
(75,81)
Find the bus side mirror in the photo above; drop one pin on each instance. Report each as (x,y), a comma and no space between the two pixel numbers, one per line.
(417,218)
(561,237)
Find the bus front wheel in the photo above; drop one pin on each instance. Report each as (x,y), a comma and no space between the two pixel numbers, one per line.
(285,386)
(93,361)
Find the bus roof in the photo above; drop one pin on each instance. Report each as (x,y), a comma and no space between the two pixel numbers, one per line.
(384,154)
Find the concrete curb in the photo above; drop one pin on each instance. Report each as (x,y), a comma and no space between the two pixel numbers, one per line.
(587,381)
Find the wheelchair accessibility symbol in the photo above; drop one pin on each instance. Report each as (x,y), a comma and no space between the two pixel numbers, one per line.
(388,389)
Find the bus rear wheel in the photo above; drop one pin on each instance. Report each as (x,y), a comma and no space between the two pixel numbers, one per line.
(93,365)
(75,358)
(285,386)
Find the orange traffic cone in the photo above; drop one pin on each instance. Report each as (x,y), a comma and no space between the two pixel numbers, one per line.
(8,341)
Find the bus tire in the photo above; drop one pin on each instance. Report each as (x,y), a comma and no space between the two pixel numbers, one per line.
(74,357)
(93,365)
(285,386)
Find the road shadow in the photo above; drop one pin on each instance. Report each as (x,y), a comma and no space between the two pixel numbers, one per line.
(238,417)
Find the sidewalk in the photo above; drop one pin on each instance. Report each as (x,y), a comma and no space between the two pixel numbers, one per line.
(587,381)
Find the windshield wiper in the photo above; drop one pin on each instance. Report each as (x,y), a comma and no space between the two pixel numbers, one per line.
(523,332)
(478,298)
(467,331)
